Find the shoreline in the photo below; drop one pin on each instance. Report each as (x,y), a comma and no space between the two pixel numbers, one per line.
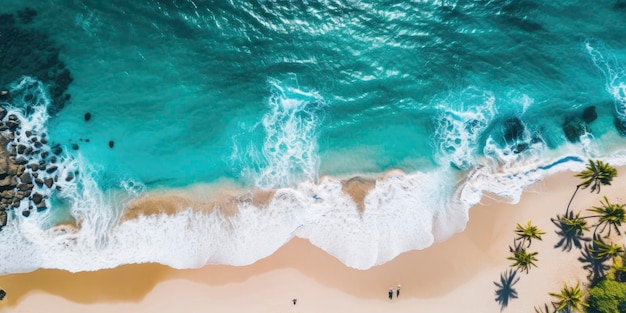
(451,275)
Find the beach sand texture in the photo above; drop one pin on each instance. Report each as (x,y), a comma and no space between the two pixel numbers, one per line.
(454,276)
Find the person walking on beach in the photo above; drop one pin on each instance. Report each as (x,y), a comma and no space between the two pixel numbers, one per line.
(398,292)
(390,293)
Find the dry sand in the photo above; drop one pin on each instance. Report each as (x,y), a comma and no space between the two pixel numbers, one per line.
(453,276)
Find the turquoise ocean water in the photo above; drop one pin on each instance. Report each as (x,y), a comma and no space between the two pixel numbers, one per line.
(197,96)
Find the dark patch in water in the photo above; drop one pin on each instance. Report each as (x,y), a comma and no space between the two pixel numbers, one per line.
(573,128)
(111,144)
(27,52)
(87,116)
(27,15)
(513,129)
(590,114)
(619,5)
(620,126)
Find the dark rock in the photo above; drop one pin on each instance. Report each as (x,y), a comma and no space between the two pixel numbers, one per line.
(35,175)
(8,182)
(38,144)
(39,182)
(36,197)
(10,136)
(52,169)
(3,222)
(26,213)
(574,128)
(3,113)
(44,154)
(620,126)
(28,151)
(41,206)
(8,194)
(24,187)
(48,182)
(69,177)
(13,125)
(75,146)
(34,139)
(21,148)
(3,127)
(13,118)
(590,114)
(53,159)
(4,167)
(87,116)
(33,167)
(56,149)
(25,178)
(20,170)
(13,168)
(519,148)
(513,129)
(43,140)
(28,133)
(42,164)
(21,161)
(111,144)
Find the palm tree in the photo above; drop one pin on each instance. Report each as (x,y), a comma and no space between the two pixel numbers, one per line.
(571,230)
(605,250)
(527,233)
(609,214)
(570,298)
(593,262)
(596,174)
(505,291)
(523,259)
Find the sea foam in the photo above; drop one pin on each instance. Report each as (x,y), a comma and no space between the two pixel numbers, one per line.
(401,212)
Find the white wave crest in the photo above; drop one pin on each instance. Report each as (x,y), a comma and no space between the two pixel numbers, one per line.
(614,73)
(289,152)
(463,120)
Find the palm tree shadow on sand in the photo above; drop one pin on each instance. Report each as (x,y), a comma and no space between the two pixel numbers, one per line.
(505,291)
(593,263)
(570,228)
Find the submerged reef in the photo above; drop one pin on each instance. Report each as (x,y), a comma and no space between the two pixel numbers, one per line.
(25,51)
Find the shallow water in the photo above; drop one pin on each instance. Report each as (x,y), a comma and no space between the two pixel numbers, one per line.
(199,97)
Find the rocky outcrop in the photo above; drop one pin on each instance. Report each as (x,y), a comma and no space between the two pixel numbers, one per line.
(577,125)
(29,169)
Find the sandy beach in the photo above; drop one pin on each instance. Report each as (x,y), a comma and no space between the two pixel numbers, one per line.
(455,275)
